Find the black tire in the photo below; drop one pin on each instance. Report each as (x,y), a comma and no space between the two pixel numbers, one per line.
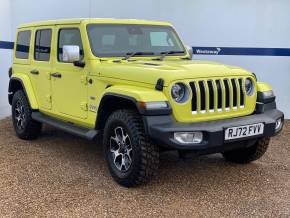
(247,155)
(25,127)
(143,154)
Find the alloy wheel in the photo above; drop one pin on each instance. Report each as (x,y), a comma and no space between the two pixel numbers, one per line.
(121,149)
(19,115)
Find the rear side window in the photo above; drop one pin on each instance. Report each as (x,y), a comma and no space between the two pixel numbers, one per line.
(69,36)
(23,44)
(42,45)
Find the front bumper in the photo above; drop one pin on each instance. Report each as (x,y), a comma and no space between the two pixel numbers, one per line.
(161,130)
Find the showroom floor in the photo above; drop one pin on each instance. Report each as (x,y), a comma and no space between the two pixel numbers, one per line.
(61,175)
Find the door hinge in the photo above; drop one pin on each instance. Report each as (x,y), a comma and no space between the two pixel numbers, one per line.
(84,106)
(84,80)
(48,98)
(48,76)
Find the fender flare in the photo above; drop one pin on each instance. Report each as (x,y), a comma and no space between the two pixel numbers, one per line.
(136,93)
(27,88)
(128,96)
(262,88)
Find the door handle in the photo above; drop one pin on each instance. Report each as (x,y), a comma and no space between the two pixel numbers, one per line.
(56,75)
(34,72)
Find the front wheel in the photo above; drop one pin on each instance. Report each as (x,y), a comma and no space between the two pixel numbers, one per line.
(131,157)
(24,126)
(249,154)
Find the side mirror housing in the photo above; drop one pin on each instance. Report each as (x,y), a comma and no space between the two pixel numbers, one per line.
(70,53)
(81,64)
(190,51)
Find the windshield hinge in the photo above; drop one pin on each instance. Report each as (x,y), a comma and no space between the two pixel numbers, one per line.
(159,85)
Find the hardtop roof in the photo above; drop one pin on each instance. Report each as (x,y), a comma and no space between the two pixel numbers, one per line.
(92,20)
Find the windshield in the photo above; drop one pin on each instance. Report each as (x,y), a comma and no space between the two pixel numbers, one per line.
(117,40)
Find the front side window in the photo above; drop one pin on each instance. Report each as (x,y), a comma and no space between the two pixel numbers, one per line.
(69,36)
(23,44)
(108,40)
(42,45)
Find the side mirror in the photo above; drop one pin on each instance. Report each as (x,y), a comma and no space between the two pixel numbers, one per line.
(70,53)
(190,51)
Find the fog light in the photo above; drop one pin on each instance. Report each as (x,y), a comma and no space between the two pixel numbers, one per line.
(188,137)
(278,125)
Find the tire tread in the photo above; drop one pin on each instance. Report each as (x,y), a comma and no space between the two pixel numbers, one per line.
(149,152)
(247,155)
(33,128)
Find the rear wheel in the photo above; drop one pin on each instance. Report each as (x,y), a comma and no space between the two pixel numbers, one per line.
(132,158)
(24,126)
(246,155)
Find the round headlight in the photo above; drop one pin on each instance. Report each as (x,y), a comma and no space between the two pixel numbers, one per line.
(249,86)
(179,92)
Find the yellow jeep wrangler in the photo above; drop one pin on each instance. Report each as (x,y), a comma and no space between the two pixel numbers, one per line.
(134,83)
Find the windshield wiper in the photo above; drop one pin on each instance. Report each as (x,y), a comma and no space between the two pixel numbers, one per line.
(132,54)
(165,53)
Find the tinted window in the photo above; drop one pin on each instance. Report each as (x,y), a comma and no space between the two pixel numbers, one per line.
(161,39)
(42,45)
(23,44)
(118,39)
(69,37)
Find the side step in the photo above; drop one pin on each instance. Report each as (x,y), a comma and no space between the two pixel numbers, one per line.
(89,134)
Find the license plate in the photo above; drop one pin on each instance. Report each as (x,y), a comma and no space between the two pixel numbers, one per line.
(244,131)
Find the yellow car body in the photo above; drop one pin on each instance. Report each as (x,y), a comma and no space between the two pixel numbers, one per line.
(134,79)
(77,96)
(84,77)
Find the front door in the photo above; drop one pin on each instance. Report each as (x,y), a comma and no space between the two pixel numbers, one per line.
(69,89)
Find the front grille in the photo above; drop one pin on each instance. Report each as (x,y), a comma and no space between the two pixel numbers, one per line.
(217,95)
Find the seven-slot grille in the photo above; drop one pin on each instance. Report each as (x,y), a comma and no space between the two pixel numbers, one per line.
(216,95)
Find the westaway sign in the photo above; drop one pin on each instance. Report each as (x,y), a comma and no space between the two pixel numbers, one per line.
(214,51)
(241,51)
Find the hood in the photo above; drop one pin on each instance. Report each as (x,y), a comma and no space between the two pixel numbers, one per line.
(169,70)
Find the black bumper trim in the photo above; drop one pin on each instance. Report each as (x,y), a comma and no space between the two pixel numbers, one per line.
(161,129)
(261,107)
(264,99)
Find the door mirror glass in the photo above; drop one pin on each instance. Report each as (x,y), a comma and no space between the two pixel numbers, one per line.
(190,51)
(70,53)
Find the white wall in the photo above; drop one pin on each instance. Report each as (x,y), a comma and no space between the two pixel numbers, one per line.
(5,55)
(240,23)
(224,23)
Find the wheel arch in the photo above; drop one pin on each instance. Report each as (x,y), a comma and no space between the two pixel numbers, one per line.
(22,82)
(127,97)
(112,102)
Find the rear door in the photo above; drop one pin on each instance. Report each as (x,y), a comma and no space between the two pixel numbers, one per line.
(22,52)
(41,65)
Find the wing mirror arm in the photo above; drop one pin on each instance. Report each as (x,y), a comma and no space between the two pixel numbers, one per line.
(81,64)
